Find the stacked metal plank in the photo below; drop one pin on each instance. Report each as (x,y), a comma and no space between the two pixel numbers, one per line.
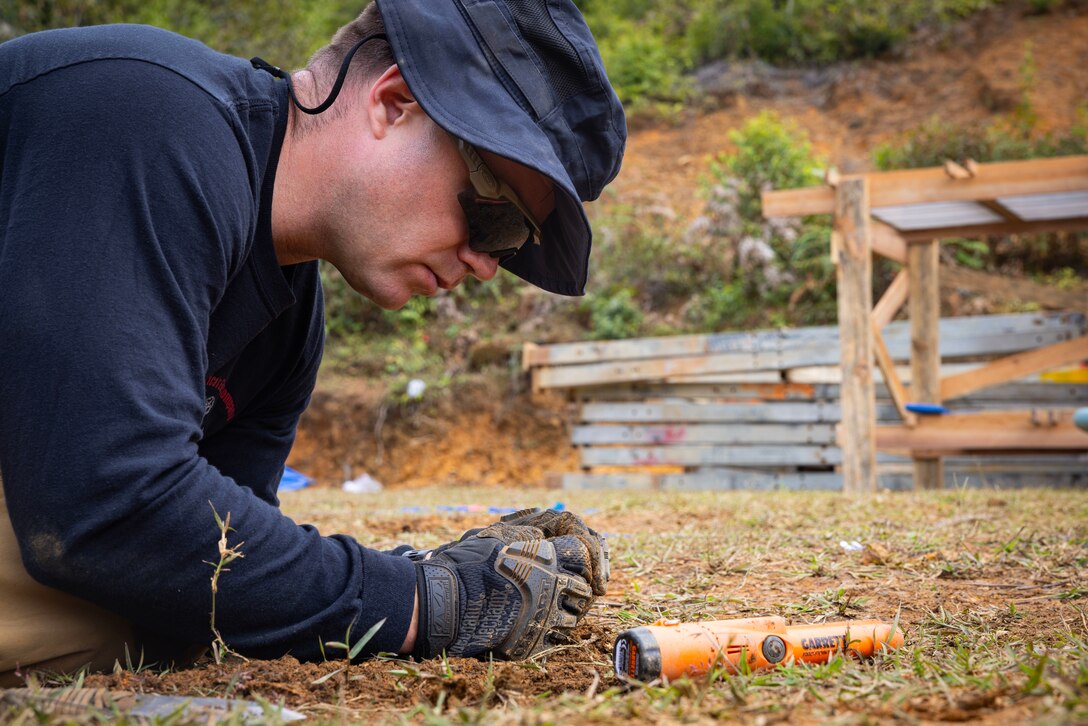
(759,409)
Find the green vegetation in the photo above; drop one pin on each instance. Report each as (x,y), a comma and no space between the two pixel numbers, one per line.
(284,33)
(648,45)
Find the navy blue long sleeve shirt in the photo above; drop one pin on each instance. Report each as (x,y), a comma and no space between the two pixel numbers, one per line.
(154,357)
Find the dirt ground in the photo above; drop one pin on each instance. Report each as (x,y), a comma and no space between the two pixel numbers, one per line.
(988,587)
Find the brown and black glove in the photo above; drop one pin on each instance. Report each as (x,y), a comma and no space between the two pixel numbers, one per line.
(482,595)
(579,548)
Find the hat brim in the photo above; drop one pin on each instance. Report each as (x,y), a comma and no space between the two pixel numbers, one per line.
(470,102)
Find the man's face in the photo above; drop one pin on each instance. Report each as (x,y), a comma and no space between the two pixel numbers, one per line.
(395,224)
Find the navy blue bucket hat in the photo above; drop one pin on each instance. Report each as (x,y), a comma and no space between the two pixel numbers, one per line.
(522,79)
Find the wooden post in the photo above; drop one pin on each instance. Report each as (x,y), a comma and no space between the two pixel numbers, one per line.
(851,246)
(925,354)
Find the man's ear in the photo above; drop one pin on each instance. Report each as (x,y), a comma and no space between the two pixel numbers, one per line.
(389,102)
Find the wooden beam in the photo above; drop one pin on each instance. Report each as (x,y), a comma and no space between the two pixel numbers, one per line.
(851,242)
(1001,210)
(918,186)
(983,330)
(689,412)
(699,456)
(891,378)
(692,433)
(892,299)
(925,315)
(1012,288)
(997,229)
(1004,430)
(533,355)
(1013,367)
(887,242)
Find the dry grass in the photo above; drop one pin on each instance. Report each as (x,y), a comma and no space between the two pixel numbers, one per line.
(989,586)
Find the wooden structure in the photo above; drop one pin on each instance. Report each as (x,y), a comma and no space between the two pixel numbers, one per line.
(760,409)
(904,215)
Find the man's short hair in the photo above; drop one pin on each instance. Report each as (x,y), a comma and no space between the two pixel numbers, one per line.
(369,61)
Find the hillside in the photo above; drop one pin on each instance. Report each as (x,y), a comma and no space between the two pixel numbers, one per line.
(968,76)
(466,434)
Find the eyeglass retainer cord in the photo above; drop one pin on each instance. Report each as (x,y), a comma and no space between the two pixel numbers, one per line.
(264,65)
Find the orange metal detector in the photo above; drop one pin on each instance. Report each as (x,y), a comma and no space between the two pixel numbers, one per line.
(671,649)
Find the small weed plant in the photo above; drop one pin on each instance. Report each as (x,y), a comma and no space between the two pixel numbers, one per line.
(227,555)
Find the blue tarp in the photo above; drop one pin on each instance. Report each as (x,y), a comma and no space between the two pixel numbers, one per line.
(292,479)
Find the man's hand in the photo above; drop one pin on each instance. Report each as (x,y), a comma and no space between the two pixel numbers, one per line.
(579,549)
(484,595)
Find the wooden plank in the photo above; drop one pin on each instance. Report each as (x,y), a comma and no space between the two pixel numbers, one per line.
(811,481)
(681,345)
(768,377)
(832,375)
(713,392)
(1015,366)
(775,412)
(1027,464)
(980,330)
(533,355)
(710,456)
(721,434)
(892,299)
(1008,288)
(1038,392)
(630,481)
(708,368)
(666,368)
(731,480)
(925,314)
(887,242)
(1005,430)
(891,378)
(918,186)
(718,391)
(1001,210)
(854,275)
(995,229)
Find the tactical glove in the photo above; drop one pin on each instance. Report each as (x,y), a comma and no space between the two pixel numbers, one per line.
(564,530)
(579,549)
(483,595)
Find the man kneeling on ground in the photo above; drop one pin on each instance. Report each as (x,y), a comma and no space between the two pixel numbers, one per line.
(162,211)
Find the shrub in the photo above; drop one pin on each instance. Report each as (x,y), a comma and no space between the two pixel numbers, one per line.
(770,154)
(777,265)
(614,315)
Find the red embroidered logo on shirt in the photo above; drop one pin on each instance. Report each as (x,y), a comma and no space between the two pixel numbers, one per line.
(220,386)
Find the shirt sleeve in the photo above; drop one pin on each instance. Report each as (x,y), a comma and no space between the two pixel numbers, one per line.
(128,199)
(253,447)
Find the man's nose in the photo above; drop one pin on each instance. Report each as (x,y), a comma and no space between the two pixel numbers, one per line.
(480,264)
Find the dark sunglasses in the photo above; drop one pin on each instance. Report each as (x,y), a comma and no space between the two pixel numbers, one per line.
(499,223)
